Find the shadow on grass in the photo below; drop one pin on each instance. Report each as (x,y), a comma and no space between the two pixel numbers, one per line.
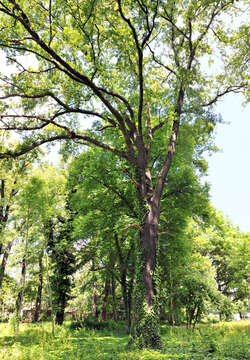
(212,342)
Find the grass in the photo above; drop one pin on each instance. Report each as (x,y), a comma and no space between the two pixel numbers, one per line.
(223,341)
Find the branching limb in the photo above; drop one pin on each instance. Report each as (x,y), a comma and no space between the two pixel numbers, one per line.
(230,89)
(140,64)
(160,63)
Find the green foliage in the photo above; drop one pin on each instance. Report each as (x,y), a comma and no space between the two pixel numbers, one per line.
(224,341)
(91,322)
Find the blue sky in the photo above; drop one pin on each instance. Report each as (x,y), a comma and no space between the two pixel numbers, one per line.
(229,169)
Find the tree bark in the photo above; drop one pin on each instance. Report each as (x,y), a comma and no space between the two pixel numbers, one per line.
(149,239)
(147,314)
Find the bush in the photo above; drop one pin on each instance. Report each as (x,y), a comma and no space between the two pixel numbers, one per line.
(91,322)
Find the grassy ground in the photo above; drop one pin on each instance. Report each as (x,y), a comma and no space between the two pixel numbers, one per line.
(224,341)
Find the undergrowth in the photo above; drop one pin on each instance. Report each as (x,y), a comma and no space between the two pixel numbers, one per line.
(223,341)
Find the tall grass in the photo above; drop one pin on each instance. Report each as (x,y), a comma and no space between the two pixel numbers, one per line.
(223,341)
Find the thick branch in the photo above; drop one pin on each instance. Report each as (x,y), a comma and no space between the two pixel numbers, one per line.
(171,149)
(86,140)
(67,68)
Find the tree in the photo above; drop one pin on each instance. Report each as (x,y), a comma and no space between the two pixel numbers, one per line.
(63,262)
(228,250)
(104,218)
(13,173)
(55,222)
(136,67)
(30,202)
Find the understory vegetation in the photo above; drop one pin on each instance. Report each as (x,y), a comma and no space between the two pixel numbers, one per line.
(221,341)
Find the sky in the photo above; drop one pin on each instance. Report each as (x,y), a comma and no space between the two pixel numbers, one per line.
(229,169)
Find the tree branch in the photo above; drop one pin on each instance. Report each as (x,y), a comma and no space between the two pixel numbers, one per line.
(234,89)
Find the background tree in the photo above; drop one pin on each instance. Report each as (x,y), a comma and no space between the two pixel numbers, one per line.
(228,250)
(104,217)
(13,174)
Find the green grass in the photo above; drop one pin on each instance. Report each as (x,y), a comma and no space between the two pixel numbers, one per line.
(223,341)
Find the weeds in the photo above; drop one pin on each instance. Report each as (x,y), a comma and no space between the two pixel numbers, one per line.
(224,341)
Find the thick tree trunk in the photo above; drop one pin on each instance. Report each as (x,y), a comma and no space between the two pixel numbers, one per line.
(147,314)
(149,239)
(39,290)
(4,261)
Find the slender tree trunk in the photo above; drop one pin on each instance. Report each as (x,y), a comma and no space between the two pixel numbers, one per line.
(94,300)
(124,292)
(103,314)
(4,261)
(39,290)
(130,292)
(20,296)
(19,301)
(50,297)
(113,287)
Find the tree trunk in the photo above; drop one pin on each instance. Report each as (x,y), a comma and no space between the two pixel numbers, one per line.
(4,261)
(60,313)
(39,290)
(103,314)
(113,287)
(20,295)
(94,300)
(50,296)
(130,292)
(147,314)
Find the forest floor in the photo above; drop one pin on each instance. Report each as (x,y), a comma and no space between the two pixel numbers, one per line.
(222,341)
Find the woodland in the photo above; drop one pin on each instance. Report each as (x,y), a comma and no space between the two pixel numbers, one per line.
(107,233)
